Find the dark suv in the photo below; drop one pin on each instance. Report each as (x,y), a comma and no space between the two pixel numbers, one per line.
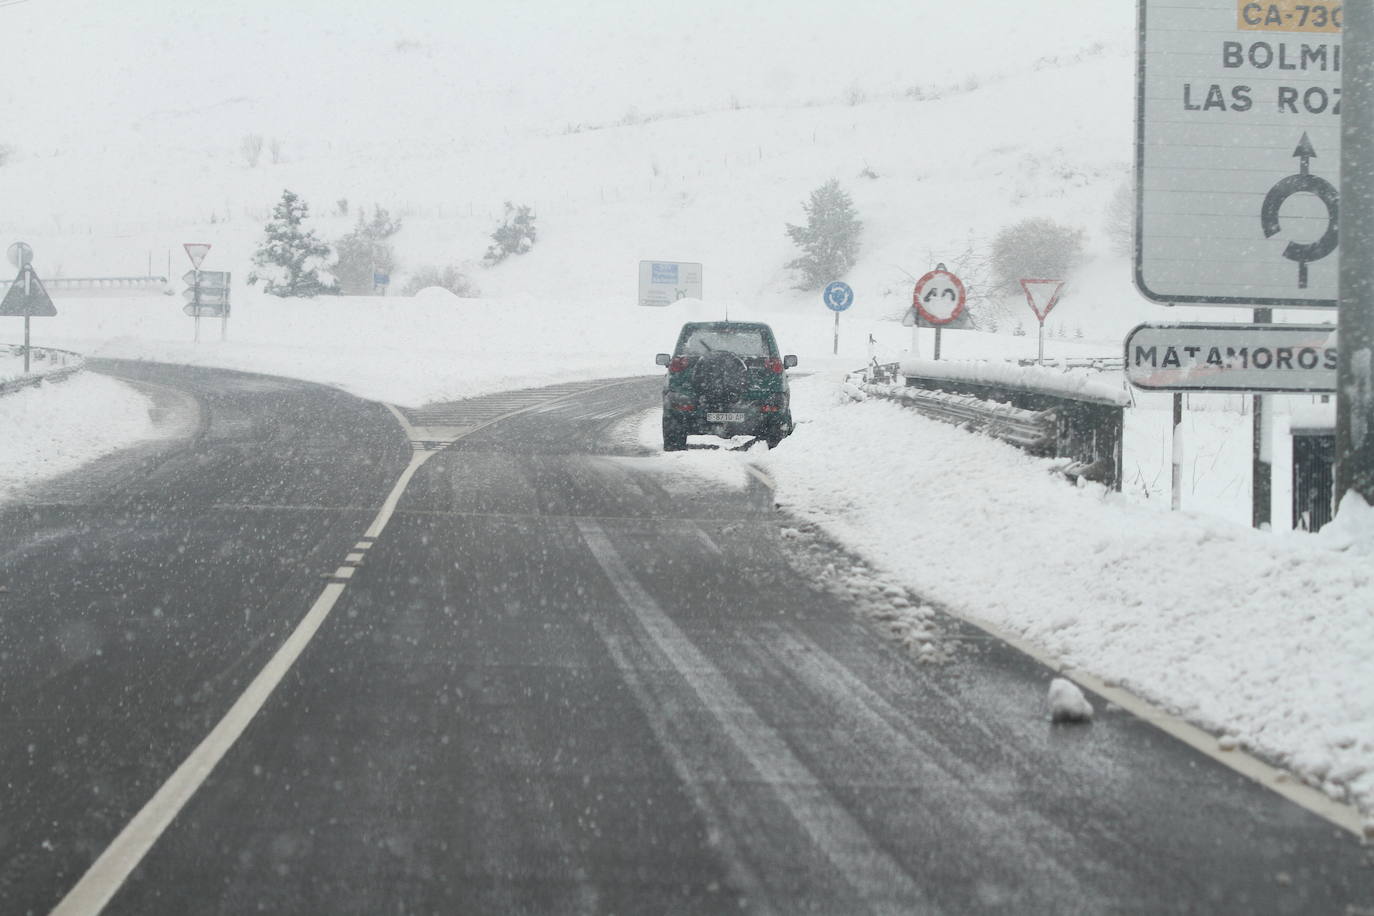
(726,378)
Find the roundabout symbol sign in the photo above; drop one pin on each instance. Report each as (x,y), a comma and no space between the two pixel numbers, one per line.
(1303,183)
(838,296)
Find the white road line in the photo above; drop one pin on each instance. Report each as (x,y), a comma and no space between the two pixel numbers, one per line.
(874,875)
(1347,817)
(353,558)
(109,872)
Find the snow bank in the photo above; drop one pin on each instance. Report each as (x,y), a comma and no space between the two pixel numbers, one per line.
(1082,385)
(1261,635)
(56,427)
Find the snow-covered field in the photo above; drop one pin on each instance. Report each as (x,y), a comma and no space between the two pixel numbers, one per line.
(628,151)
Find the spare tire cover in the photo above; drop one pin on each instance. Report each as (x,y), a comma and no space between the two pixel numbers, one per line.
(720,378)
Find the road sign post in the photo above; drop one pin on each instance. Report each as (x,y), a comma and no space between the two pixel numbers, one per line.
(938,301)
(837,297)
(26,296)
(1043,296)
(662,283)
(207,293)
(1354,470)
(1229,94)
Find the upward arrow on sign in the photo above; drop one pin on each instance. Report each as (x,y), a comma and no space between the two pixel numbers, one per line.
(1043,295)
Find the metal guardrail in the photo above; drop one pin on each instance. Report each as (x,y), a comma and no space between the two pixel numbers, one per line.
(98,286)
(1100,363)
(1032,430)
(1048,423)
(62,364)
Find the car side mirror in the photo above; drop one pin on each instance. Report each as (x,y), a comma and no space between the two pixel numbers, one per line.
(789,361)
(662,359)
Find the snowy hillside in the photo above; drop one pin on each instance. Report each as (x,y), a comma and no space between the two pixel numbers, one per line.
(643,151)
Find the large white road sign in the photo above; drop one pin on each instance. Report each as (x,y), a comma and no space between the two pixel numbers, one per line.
(1238,152)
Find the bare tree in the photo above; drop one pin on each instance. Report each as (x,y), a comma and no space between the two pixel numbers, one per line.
(1119,221)
(251,147)
(1034,248)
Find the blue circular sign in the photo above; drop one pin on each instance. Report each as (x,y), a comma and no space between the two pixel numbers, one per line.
(838,296)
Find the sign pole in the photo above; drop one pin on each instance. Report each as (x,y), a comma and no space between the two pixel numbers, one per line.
(1261,483)
(28,272)
(1176,477)
(1040,358)
(1355,316)
(938,329)
(837,334)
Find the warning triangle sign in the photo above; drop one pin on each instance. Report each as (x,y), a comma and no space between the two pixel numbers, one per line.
(33,303)
(1043,295)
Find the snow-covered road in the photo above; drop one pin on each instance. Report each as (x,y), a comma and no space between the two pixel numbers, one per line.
(1257,637)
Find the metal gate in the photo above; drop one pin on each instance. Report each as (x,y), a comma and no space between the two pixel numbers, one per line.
(1313,485)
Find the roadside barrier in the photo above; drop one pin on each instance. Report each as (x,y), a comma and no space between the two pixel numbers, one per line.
(99,286)
(1041,411)
(59,365)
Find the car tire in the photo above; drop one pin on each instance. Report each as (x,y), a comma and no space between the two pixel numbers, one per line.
(720,377)
(674,436)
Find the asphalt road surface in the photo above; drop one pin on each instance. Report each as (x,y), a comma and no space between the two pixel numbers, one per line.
(571,675)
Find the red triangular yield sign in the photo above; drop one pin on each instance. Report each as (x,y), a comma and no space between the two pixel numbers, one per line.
(196,251)
(1042,295)
(36,303)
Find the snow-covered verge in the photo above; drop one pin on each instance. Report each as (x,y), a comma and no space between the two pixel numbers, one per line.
(1259,636)
(56,427)
(41,362)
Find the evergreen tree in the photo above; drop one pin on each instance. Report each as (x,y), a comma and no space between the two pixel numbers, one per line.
(830,239)
(516,235)
(365,250)
(291,261)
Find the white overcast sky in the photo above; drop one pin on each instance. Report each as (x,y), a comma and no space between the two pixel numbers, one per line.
(74,72)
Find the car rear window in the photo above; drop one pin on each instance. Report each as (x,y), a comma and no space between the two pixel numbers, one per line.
(741,341)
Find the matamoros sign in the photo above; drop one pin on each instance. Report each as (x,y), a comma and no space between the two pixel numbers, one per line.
(1220,357)
(1238,152)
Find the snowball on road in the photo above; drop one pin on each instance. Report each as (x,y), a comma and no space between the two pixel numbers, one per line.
(1067,703)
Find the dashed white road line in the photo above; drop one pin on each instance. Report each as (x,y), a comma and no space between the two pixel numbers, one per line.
(109,872)
(112,868)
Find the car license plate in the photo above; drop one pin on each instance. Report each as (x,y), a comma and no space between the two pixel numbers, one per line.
(725,418)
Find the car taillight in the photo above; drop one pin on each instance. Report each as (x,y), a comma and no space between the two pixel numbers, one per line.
(773,365)
(679,364)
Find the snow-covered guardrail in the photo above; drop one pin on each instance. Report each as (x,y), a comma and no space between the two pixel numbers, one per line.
(1046,412)
(53,366)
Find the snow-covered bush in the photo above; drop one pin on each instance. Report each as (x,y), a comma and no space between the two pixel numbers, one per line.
(830,239)
(449,278)
(1035,248)
(516,235)
(365,250)
(291,261)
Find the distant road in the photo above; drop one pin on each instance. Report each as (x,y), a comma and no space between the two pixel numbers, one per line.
(568,676)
